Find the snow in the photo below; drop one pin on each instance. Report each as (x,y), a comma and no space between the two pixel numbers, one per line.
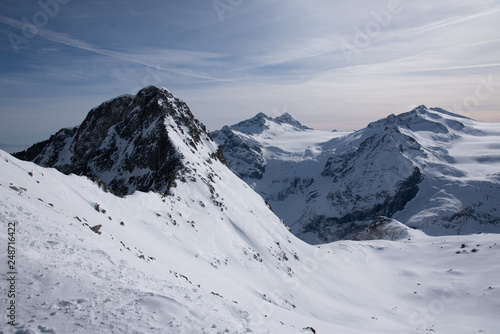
(471,148)
(479,156)
(198,261)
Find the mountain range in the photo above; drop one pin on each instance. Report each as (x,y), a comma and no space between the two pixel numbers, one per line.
(132,222)
(428,168)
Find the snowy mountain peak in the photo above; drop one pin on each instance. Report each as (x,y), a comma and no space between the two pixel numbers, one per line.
(261,122)
(153,90)
(432,113)
(256,124)
(249,144)
(420,109)
(423,119)
(131,143)
(423,110)
(286,118)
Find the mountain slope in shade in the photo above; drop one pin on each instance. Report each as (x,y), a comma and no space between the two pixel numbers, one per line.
(192,263)
(428,168)
(130,142)
(10,148)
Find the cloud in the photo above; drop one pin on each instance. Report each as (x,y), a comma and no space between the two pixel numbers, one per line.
(448,22)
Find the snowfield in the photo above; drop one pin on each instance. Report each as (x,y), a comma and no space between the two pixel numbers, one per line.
(210,257)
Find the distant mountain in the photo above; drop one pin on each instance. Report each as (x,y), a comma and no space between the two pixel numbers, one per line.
(246,153)
(286,118)
(131,143)
(428,168)
(10,148)
(261,122)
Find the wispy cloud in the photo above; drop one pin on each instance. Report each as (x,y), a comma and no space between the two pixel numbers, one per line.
(448,22)
(70,41)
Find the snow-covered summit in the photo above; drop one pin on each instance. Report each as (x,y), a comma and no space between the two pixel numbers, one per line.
(421,118)
(286,118)
(255,124)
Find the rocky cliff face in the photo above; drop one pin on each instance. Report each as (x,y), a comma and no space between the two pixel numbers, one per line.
(419,167)
(128,143)
(247,158)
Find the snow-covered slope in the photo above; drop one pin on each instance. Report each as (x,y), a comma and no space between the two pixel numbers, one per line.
(189,263)
(428,168)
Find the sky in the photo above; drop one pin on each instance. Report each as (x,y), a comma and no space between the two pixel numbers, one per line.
(331,64)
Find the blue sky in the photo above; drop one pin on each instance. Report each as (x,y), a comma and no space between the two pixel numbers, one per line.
(331,64)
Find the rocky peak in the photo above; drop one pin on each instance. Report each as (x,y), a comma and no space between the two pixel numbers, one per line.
(127,142)
(404,119)
(421,109)
(286,118)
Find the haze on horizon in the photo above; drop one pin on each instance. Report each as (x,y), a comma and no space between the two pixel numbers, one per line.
(331,64)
